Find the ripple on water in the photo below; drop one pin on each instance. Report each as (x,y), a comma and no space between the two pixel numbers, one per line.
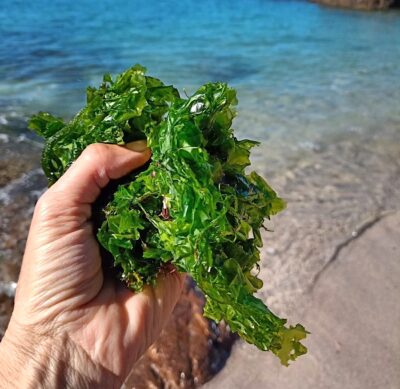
(330,193)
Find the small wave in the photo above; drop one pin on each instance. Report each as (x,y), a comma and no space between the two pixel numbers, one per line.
(24,138)
(4,138)
(31,182)
(3,120)
(309,145)
(8,289)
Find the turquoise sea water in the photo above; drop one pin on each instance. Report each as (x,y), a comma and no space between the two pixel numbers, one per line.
(319,86)
(304,73)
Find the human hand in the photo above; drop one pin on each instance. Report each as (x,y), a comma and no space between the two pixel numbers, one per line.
(72,326)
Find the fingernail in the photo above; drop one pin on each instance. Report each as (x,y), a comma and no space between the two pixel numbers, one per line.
(139,146)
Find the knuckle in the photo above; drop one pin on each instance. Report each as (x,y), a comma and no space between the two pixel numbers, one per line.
(95,151)
(45,204)
(98,155)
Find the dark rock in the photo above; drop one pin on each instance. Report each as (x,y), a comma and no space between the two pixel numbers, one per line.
(190,350)
(361,4)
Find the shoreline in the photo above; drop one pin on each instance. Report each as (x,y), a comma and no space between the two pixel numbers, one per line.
(332,191)
(326,266)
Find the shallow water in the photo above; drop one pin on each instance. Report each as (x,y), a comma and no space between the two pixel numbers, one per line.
(319,87)
(310,79)
(302,71)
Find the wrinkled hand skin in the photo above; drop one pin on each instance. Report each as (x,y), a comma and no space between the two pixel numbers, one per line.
(72,326)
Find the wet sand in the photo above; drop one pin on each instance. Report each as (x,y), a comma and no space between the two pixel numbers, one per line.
(353,314)
(333,264)
(338,194)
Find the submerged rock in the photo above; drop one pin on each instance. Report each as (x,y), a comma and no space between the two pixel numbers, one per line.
(190,350)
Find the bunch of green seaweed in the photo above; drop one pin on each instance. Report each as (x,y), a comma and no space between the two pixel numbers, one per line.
(193,206)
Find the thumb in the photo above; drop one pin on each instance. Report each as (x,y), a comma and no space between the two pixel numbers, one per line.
(96,166)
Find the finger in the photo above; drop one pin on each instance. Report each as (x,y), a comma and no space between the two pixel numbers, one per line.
(149,310)
(96,166)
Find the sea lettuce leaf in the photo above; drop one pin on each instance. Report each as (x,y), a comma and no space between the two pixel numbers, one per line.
(193,205)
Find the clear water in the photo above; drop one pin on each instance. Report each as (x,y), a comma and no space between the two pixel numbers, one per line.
(320,87)
(305,74)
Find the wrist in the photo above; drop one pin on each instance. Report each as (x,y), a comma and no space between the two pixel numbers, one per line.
(23,360)
(29,360)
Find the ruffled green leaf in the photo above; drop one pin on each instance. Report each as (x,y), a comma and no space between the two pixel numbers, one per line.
(193,205)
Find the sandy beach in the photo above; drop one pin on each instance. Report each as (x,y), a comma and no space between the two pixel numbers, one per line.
(332,262)
(319,88)
(352,312)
